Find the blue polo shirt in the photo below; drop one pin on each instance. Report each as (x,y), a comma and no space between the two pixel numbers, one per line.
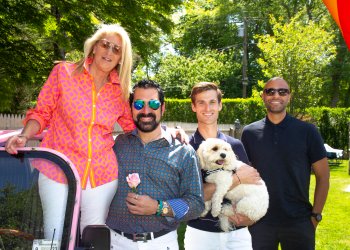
(210,223)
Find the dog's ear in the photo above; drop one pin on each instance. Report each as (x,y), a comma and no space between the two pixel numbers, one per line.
(200,154)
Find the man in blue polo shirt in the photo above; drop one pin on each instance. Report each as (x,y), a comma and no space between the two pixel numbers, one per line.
(204,232)
(284,150)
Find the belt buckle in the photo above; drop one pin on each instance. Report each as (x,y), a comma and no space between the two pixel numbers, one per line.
(140,237)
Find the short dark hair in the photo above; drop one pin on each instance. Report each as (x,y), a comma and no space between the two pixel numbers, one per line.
(205,86)
(147,84)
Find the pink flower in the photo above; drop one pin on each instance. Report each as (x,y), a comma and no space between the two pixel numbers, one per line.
(133,181)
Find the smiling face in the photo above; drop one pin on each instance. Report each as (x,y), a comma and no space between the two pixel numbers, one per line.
(105,57)
(276,104)
(207,106)
(147,119)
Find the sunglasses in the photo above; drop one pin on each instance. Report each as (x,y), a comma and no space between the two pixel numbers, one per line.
(108,45)
(153,104)
(272,92)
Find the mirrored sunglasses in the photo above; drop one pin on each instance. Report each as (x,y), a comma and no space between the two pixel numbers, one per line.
(272,91)
(153,104)
(108,45)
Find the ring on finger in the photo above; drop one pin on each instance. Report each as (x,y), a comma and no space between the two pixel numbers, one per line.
(136,196)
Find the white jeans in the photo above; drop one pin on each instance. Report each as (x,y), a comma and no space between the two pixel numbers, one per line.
(165,242)
(94,207)
(53,196)
(198,239)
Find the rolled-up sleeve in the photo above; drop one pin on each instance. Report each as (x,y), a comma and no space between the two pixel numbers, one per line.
(47,100)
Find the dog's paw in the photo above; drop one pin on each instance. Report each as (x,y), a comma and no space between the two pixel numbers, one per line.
(204,213)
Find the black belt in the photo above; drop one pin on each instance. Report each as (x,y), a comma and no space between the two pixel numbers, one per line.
(142,236)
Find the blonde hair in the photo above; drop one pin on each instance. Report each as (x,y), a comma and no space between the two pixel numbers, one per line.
(124,66)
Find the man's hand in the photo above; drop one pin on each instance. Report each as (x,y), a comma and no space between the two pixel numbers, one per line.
(179,133)
(141,204)
(240,220)
(246,175)
(314,222)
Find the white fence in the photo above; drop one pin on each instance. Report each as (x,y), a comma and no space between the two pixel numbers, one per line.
(9,121)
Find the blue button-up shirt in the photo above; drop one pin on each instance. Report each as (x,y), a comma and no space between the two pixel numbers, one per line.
(168,171)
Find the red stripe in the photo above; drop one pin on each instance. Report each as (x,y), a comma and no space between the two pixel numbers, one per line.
(344,19)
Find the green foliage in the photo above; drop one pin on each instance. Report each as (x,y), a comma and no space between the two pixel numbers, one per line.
(20,210)
(246,110)
(336,88)
(36,33)
(206,25)
(298,51)
(22,62)
(333,124)
(179,110)
(177,74)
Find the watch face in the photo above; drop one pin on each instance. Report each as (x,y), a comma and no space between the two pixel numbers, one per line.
(318,217)
(165,210)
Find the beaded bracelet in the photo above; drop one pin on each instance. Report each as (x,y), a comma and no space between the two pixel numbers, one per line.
(160,208)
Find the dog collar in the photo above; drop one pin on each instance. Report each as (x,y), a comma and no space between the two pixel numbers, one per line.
(209,172)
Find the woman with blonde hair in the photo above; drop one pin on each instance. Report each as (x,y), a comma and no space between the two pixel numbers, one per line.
(79,105)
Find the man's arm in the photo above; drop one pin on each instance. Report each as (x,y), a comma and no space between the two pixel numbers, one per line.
(321,170)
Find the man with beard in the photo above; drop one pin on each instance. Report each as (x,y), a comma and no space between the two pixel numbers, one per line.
(170,190)
(285,150)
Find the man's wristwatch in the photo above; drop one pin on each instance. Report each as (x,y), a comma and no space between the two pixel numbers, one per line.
(165,209)
(317,216)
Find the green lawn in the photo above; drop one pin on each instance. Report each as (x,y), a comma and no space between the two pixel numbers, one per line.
(333,233)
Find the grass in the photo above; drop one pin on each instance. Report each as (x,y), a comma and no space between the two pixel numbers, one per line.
(333,233)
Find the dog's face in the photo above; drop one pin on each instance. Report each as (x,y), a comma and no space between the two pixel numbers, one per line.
(215,153)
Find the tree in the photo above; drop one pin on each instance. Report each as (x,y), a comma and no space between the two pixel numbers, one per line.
(35,33)
(298,51)
(177,74)
(214,24)
(211,25)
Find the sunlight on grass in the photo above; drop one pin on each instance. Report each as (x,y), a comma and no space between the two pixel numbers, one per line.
(333,233)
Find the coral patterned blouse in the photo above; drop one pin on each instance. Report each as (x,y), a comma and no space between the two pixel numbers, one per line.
(80,122)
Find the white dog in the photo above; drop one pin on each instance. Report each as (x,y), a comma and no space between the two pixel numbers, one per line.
(218,159)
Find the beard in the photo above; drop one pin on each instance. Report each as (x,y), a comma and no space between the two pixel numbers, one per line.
(276,109)
(146,126)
